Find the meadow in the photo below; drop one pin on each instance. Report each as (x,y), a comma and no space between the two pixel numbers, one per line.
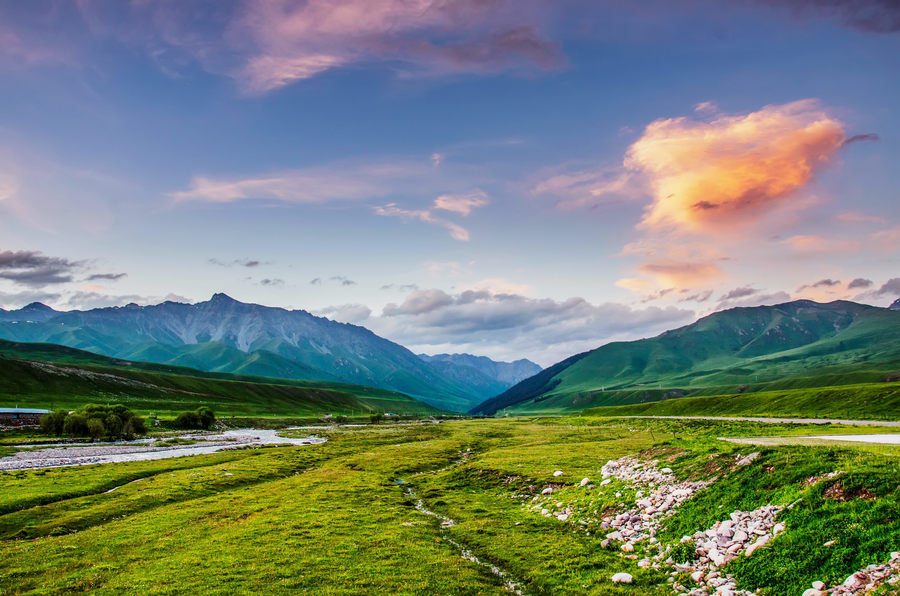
(342,517)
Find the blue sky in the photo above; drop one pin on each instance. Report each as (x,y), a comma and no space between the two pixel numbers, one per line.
(503,178)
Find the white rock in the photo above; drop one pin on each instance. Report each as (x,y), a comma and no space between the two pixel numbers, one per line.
(628,547)
(585,481)
(818,585)
(547,491)
(697,576)
(557,473)
(666,470)
(622,578)
(605,482)
(562,517)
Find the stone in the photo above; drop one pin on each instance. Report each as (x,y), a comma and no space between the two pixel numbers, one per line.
(622,578)
(697,576)
(557,473)
(547,491)
(605,482)
(562,517)
(628,547)
(585,481)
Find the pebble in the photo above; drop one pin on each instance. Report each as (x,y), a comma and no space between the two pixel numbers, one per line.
(622,578)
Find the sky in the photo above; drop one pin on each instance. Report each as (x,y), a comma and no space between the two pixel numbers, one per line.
(509,178)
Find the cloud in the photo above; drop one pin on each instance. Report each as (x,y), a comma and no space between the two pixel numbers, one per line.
(854,217)
(249,263)
(756,299)
(346,313)
(462,204)
(33,269)
(822,283)
(265,45)
(668,273)
(316,281)
(816,245)
(728,170)
(512,325)
(400,287)
(342,280)
(106,276)
(859,282)
(858,138)
(271,282)
(739,293)
(699,297)
(871,16)
(290,41)
(342,181)
(890,287)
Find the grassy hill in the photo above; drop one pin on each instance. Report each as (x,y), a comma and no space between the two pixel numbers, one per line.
(868,401)
(51,376)
(800,344)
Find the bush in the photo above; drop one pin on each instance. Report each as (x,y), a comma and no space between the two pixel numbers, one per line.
(376,418)
(53,423)
(95,428)
(95,421)
(76,425)
(201,419)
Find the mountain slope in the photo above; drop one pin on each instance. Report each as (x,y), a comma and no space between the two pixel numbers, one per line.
(797,344)
(487,377)
(47,375)
(225,335)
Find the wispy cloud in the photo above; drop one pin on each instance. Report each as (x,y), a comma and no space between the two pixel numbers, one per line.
(461,204)
(106,276)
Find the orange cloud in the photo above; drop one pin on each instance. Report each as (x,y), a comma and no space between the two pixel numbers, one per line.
(731,170)
(681,274)
(816,245)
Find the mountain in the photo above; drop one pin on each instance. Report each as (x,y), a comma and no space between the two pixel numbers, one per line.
(791,345)
(34,312)
(488,377)
(225,335)
(51,376)
(895,305)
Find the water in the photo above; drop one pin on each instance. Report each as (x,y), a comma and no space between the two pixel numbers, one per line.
(83,454)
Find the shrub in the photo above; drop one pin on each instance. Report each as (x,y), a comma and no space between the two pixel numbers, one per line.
(76,425)
(376,417)
(95,421)
(95,428)
(53,423)
(201,419)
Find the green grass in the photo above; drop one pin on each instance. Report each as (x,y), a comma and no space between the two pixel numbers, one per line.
(72,378)
(879,401)
(336,518)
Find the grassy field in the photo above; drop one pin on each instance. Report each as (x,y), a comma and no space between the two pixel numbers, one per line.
(340,518)
(873,401)
(51,377)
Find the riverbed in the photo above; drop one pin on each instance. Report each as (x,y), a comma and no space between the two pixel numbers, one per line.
(83,454)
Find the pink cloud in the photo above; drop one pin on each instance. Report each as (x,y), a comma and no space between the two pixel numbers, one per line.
(461,203)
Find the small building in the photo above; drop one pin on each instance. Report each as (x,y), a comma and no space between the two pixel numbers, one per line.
(21,416)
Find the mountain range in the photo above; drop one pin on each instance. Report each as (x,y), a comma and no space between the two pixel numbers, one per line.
(791,345)
(225,335)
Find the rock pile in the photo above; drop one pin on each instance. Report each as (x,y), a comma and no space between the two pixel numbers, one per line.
(742,534)
(663,498)
(864,580)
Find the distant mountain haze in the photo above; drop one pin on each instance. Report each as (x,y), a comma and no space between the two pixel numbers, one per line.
(488,376)
(224,335)
(796,344)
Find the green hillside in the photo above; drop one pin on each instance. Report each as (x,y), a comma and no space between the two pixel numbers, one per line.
(50,376)
(850,402)
(743,350)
